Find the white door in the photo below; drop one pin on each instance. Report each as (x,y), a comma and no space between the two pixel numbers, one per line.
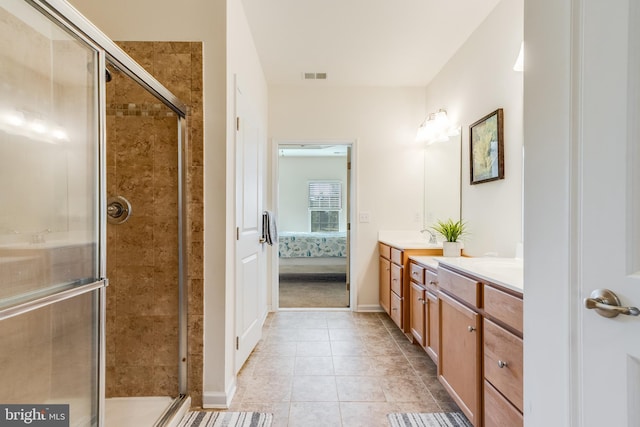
(608,211)
(251,295)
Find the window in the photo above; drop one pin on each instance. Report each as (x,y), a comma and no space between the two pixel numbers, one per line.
(325,204)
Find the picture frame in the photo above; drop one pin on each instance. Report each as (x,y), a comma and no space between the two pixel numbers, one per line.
(486,148)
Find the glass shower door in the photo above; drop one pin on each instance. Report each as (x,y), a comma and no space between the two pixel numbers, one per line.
(50,269)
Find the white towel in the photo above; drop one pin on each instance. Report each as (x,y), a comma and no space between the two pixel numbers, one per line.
(269,229)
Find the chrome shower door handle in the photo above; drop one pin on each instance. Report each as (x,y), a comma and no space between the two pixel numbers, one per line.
(607,304)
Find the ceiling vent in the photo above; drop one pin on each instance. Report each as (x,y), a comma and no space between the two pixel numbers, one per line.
(314,76)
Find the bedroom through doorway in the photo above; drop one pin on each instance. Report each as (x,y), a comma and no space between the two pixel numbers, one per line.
(313,225)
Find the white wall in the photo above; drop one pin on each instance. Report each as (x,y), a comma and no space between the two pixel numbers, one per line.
(549,213)
(226,54)
(294,174)
(389,175)
(477,80)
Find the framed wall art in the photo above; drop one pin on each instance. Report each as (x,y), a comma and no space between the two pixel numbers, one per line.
(486,148)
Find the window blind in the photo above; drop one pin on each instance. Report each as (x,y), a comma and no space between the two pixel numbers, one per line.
(325,195)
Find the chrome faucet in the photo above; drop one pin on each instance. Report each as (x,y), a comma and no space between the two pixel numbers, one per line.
(432,235)
(38,236)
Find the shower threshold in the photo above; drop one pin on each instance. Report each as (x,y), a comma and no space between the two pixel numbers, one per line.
(152,411)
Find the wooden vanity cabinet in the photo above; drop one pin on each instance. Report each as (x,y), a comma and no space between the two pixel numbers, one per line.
(480,359)
(395,282)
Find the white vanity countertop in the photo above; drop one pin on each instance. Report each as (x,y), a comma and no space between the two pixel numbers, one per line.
(407,240)
(429,261)
(506,272)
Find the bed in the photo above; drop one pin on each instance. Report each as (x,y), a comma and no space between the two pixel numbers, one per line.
(298,244)
(316,254)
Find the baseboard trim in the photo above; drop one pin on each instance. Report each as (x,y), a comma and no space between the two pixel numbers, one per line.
(369,308)
(219,400)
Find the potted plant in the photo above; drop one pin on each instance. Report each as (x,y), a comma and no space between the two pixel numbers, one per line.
(451,231)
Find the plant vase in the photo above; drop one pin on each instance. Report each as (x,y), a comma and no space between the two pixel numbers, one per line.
(450,249)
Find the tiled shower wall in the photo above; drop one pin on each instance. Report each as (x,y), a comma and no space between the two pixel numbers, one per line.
(142,258)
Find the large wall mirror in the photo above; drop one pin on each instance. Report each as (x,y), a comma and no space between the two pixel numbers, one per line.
(442,192)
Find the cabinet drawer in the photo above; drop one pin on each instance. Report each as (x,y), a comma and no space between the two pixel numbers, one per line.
(417,273)
(464,288)
(396,309)
(385,250)
(396,279)
(396,256)
(498,412)
(431,280)
(504,307)
(502,348)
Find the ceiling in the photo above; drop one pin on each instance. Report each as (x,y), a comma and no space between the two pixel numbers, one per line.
(360,42)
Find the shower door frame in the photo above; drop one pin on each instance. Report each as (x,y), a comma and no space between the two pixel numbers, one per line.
(67,16)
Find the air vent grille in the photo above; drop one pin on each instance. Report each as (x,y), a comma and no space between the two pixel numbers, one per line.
(314,76)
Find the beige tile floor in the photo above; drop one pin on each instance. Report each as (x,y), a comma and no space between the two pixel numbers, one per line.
(322,368)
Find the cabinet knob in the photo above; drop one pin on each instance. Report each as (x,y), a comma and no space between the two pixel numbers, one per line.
(501,364)
(471,328)
(394,309)
(420,299)
(433,282)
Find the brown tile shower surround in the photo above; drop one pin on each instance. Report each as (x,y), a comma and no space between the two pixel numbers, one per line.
(330,369)
(142,258)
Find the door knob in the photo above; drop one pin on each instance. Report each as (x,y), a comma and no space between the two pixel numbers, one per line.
(607,304)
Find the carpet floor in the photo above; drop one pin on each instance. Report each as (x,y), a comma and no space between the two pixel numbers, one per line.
(439,419)
(314,291)
(226,419)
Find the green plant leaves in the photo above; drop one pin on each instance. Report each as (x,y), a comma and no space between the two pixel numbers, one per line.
(450,230)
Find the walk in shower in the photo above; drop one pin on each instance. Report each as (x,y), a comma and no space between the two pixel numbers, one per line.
(88,310)
(143,252)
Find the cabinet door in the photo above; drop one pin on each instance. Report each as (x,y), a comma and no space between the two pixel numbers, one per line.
(385,284)
(432,326)
(459,359)
(396,279)
(417,315)
(396,309)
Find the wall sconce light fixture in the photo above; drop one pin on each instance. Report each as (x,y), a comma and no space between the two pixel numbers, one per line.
(436,128)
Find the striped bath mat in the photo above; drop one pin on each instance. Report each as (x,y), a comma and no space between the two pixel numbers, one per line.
(438,419)
(226,419)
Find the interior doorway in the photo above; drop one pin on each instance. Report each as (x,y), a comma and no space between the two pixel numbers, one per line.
(313,208)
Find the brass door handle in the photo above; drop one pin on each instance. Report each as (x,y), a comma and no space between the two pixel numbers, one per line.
(607,304)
